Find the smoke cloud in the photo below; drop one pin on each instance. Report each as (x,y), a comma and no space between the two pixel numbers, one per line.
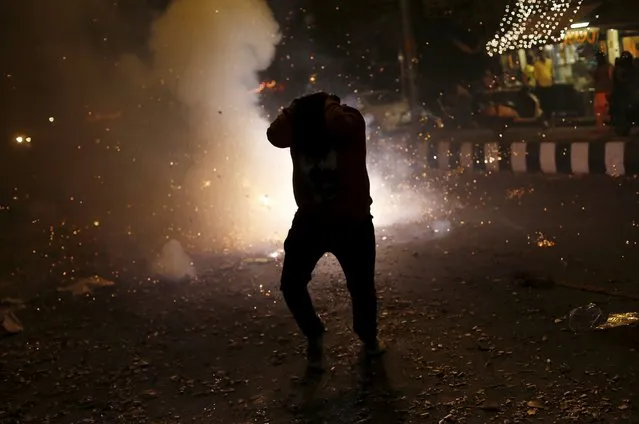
(158,134)
(239,189)
(209,54)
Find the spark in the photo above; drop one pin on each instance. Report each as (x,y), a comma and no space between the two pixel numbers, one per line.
(275,254)
(540,240)
(265,85)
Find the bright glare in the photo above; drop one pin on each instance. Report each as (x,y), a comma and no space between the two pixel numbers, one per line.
(580,25)
(276,254)
(239,192)
(20,139)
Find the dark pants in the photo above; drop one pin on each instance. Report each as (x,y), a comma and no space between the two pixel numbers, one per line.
(546,100)
(353,244)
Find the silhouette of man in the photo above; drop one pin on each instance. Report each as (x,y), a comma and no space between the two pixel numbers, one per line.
(327,142)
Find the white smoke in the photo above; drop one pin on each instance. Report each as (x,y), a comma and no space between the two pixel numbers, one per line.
(174,263)
(209,54)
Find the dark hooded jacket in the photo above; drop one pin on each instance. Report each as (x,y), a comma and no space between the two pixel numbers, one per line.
(327,142)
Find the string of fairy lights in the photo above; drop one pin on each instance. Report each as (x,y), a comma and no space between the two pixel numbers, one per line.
(529,23)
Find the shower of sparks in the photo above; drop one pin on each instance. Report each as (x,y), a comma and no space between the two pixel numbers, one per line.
(517,193)
(266,85)
(540,240)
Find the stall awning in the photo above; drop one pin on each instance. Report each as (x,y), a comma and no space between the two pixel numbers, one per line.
(529,23)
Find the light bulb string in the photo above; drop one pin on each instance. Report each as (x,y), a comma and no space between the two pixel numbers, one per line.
(532,22)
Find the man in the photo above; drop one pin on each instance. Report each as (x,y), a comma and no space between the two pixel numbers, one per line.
(544,80)
(602,76)
(625,90)
(327,143)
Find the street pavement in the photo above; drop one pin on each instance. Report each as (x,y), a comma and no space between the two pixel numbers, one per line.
(474,306)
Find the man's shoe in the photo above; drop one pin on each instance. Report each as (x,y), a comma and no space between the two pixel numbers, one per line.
(374,349)
(315,352)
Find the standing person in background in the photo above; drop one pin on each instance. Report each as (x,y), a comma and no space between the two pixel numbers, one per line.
(544,80)
(625,84)
(602,76)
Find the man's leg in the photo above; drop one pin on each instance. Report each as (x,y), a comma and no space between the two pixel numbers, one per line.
(302,249)
(354,248)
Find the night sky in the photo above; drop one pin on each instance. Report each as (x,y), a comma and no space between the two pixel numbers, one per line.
(361,37)
(66,60)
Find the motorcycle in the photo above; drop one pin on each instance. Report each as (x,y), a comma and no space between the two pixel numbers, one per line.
(482,109)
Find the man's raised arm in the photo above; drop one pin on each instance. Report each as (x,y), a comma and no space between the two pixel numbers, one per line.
(280,133)
(343,120)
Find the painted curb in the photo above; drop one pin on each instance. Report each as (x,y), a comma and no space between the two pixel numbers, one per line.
(613,158)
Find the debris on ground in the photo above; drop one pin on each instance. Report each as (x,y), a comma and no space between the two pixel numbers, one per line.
(86,285)
(11,324)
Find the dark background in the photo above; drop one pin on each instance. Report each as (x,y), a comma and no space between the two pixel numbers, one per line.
(359,38)
(349,46)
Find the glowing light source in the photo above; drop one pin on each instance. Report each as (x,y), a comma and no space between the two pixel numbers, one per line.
(580,25)
(266,85)
(275,254)
(21,139)
(51,119)
(529,23)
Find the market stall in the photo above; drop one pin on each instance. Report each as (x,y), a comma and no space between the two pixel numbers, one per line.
(560,31)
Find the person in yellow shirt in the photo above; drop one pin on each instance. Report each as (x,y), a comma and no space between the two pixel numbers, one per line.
(544,80)
(528,72)
(543,71)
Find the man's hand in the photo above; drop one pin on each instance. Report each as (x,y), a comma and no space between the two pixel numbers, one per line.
(288,111)
(280,132)
(344,121)
(330,100)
